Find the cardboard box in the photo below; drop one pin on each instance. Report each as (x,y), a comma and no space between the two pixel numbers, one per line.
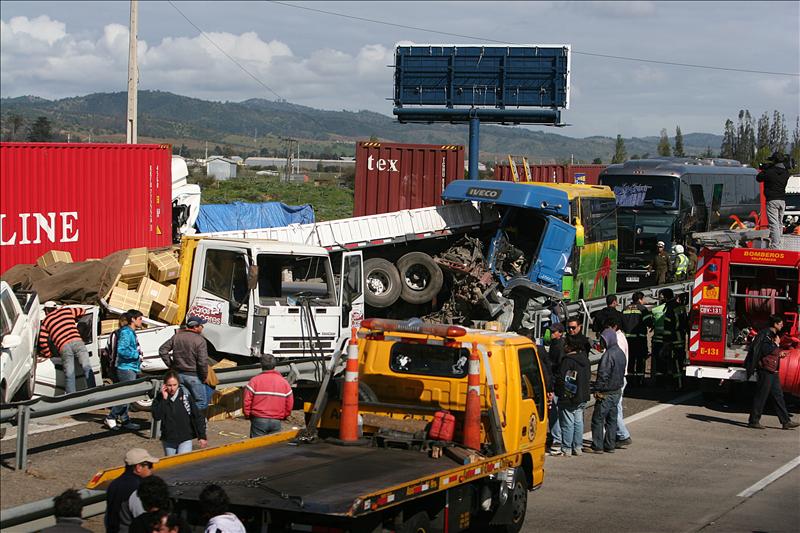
(225,363)
(168,313)
(123,299)
(163,266)
(52,257)
(135,266)
(226,403)
(144,304)
(108,326)
(155,291)
(173,292)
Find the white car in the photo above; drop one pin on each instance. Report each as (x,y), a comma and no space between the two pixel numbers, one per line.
(20,316)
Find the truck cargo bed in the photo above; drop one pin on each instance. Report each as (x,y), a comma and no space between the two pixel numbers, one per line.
(327,477)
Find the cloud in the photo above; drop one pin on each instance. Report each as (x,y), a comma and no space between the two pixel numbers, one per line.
(39,56)
(621,9)
(779,88)
(647,74)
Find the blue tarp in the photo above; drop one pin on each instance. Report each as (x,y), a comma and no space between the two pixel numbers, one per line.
(241,215)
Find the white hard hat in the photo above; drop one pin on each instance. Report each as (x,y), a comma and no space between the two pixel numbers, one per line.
(678,248)
(660,243)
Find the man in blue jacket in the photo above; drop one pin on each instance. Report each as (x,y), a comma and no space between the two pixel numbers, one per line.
(127,359)
(607,392)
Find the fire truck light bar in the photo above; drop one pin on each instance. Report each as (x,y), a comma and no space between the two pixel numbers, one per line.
(413,326)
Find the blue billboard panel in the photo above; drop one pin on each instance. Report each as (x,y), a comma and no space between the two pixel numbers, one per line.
(482,76)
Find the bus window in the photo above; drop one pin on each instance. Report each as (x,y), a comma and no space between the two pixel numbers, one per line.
(716,197)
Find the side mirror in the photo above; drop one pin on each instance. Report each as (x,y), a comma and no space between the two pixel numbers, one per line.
(580,235)
(252,277)
(11,341)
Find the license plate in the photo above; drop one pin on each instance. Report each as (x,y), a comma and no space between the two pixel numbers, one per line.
(632,279)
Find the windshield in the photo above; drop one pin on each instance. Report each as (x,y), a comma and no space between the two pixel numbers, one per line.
(285,277)
(644,191)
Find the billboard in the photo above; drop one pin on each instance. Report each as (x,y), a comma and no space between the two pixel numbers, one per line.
(482,76)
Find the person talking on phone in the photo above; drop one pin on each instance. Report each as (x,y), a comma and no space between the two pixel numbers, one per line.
(181,420)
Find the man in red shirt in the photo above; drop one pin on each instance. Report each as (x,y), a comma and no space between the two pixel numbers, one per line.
(60,329)
(268,399)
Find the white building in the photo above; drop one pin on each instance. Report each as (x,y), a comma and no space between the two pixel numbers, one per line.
(221,168)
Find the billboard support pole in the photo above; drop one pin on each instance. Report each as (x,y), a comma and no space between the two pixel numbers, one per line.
(474,142)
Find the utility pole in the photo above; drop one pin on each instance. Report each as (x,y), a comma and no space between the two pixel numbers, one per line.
(289,156)
(133,76)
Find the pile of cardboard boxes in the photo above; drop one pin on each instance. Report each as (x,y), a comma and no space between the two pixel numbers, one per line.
(146,282)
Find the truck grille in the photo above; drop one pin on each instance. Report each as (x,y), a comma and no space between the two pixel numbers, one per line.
(302,346)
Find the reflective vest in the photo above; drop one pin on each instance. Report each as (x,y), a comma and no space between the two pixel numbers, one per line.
(658,322)
(682,263)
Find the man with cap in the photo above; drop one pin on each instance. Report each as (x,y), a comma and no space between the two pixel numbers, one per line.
(775,175)
(187,353)
(660,263)
(138,465)
(554,355)
(268,399)
(60,329)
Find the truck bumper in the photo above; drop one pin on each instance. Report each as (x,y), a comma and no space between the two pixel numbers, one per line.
(632,279)
(733,373)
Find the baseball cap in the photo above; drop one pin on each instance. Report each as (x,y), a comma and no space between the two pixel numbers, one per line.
(136,456)
(50,304)
(194,321)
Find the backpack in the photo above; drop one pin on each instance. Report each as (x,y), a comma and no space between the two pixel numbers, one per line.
(108,357)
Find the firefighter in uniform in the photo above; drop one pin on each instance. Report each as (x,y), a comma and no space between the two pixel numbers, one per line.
(660,264)
(635,318)
(681,263)
(674,335)
(657,363)
(691,253)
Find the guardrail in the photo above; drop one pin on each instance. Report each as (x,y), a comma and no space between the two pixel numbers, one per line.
(36,515)
(46,408)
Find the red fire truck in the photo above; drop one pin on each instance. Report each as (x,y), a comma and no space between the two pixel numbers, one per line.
(735,291)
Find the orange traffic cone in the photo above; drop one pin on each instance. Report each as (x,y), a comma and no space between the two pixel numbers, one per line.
(472,414)
(348,424)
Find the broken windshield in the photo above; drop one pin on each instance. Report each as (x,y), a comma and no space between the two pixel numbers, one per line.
(281,277)
(659,192)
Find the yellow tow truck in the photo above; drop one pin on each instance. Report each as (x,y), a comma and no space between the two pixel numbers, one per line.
(395,477)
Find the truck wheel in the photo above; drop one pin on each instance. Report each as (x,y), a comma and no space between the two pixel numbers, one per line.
(382,282)
(518,500)
(416,523)
(421,276)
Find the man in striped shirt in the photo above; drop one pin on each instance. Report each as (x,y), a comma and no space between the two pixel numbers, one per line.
(59,328)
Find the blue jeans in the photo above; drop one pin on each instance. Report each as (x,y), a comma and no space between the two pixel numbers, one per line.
(69,353)
(622,429)
(604,421)
(555,426)
(197,389)
(571,427)
(174,448)
(120,412)
(263,426)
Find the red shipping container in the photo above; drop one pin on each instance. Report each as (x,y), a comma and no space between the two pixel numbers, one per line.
(86,199)
(587,174)
(391,177)
(443,426)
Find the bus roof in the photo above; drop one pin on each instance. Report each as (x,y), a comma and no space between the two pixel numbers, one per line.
(575,190)
(677,167)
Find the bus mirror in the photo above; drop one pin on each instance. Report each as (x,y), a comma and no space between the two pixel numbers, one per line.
(580,236)
(252,277)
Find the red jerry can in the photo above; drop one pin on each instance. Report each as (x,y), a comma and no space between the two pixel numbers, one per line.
(443,426)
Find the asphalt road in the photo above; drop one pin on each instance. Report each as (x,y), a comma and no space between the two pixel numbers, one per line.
(688,470)
(684,472)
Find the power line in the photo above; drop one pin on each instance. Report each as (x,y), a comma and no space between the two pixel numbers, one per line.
(489,40)
(257,80)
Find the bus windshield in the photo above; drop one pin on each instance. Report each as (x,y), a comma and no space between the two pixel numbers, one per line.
(644,191)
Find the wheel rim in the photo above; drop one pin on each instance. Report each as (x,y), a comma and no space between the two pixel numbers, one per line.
(417,277)
(378,283)
(519,503)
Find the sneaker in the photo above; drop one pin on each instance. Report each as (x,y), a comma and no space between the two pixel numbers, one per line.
(755,425)
(131,426)
(592,450)
(556,452)
(624,442)
(111,424)
(609,451)
(577,452)
(791,424)
(619,445)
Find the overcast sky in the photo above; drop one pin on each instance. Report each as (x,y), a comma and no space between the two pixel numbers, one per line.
(61,49)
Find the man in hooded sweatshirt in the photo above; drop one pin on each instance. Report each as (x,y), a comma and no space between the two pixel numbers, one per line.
(774,175)
(572,388)
(607,392)
(214,502)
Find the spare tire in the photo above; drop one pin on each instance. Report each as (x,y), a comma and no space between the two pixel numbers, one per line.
(382,283)
(421,277)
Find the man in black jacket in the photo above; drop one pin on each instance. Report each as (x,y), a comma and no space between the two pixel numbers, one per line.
(601,317)
(554,355)
(138,465)
(774,175)
(765,343)
(635,318)
(572,387)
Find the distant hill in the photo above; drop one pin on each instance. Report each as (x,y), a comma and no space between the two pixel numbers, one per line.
(256,124)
